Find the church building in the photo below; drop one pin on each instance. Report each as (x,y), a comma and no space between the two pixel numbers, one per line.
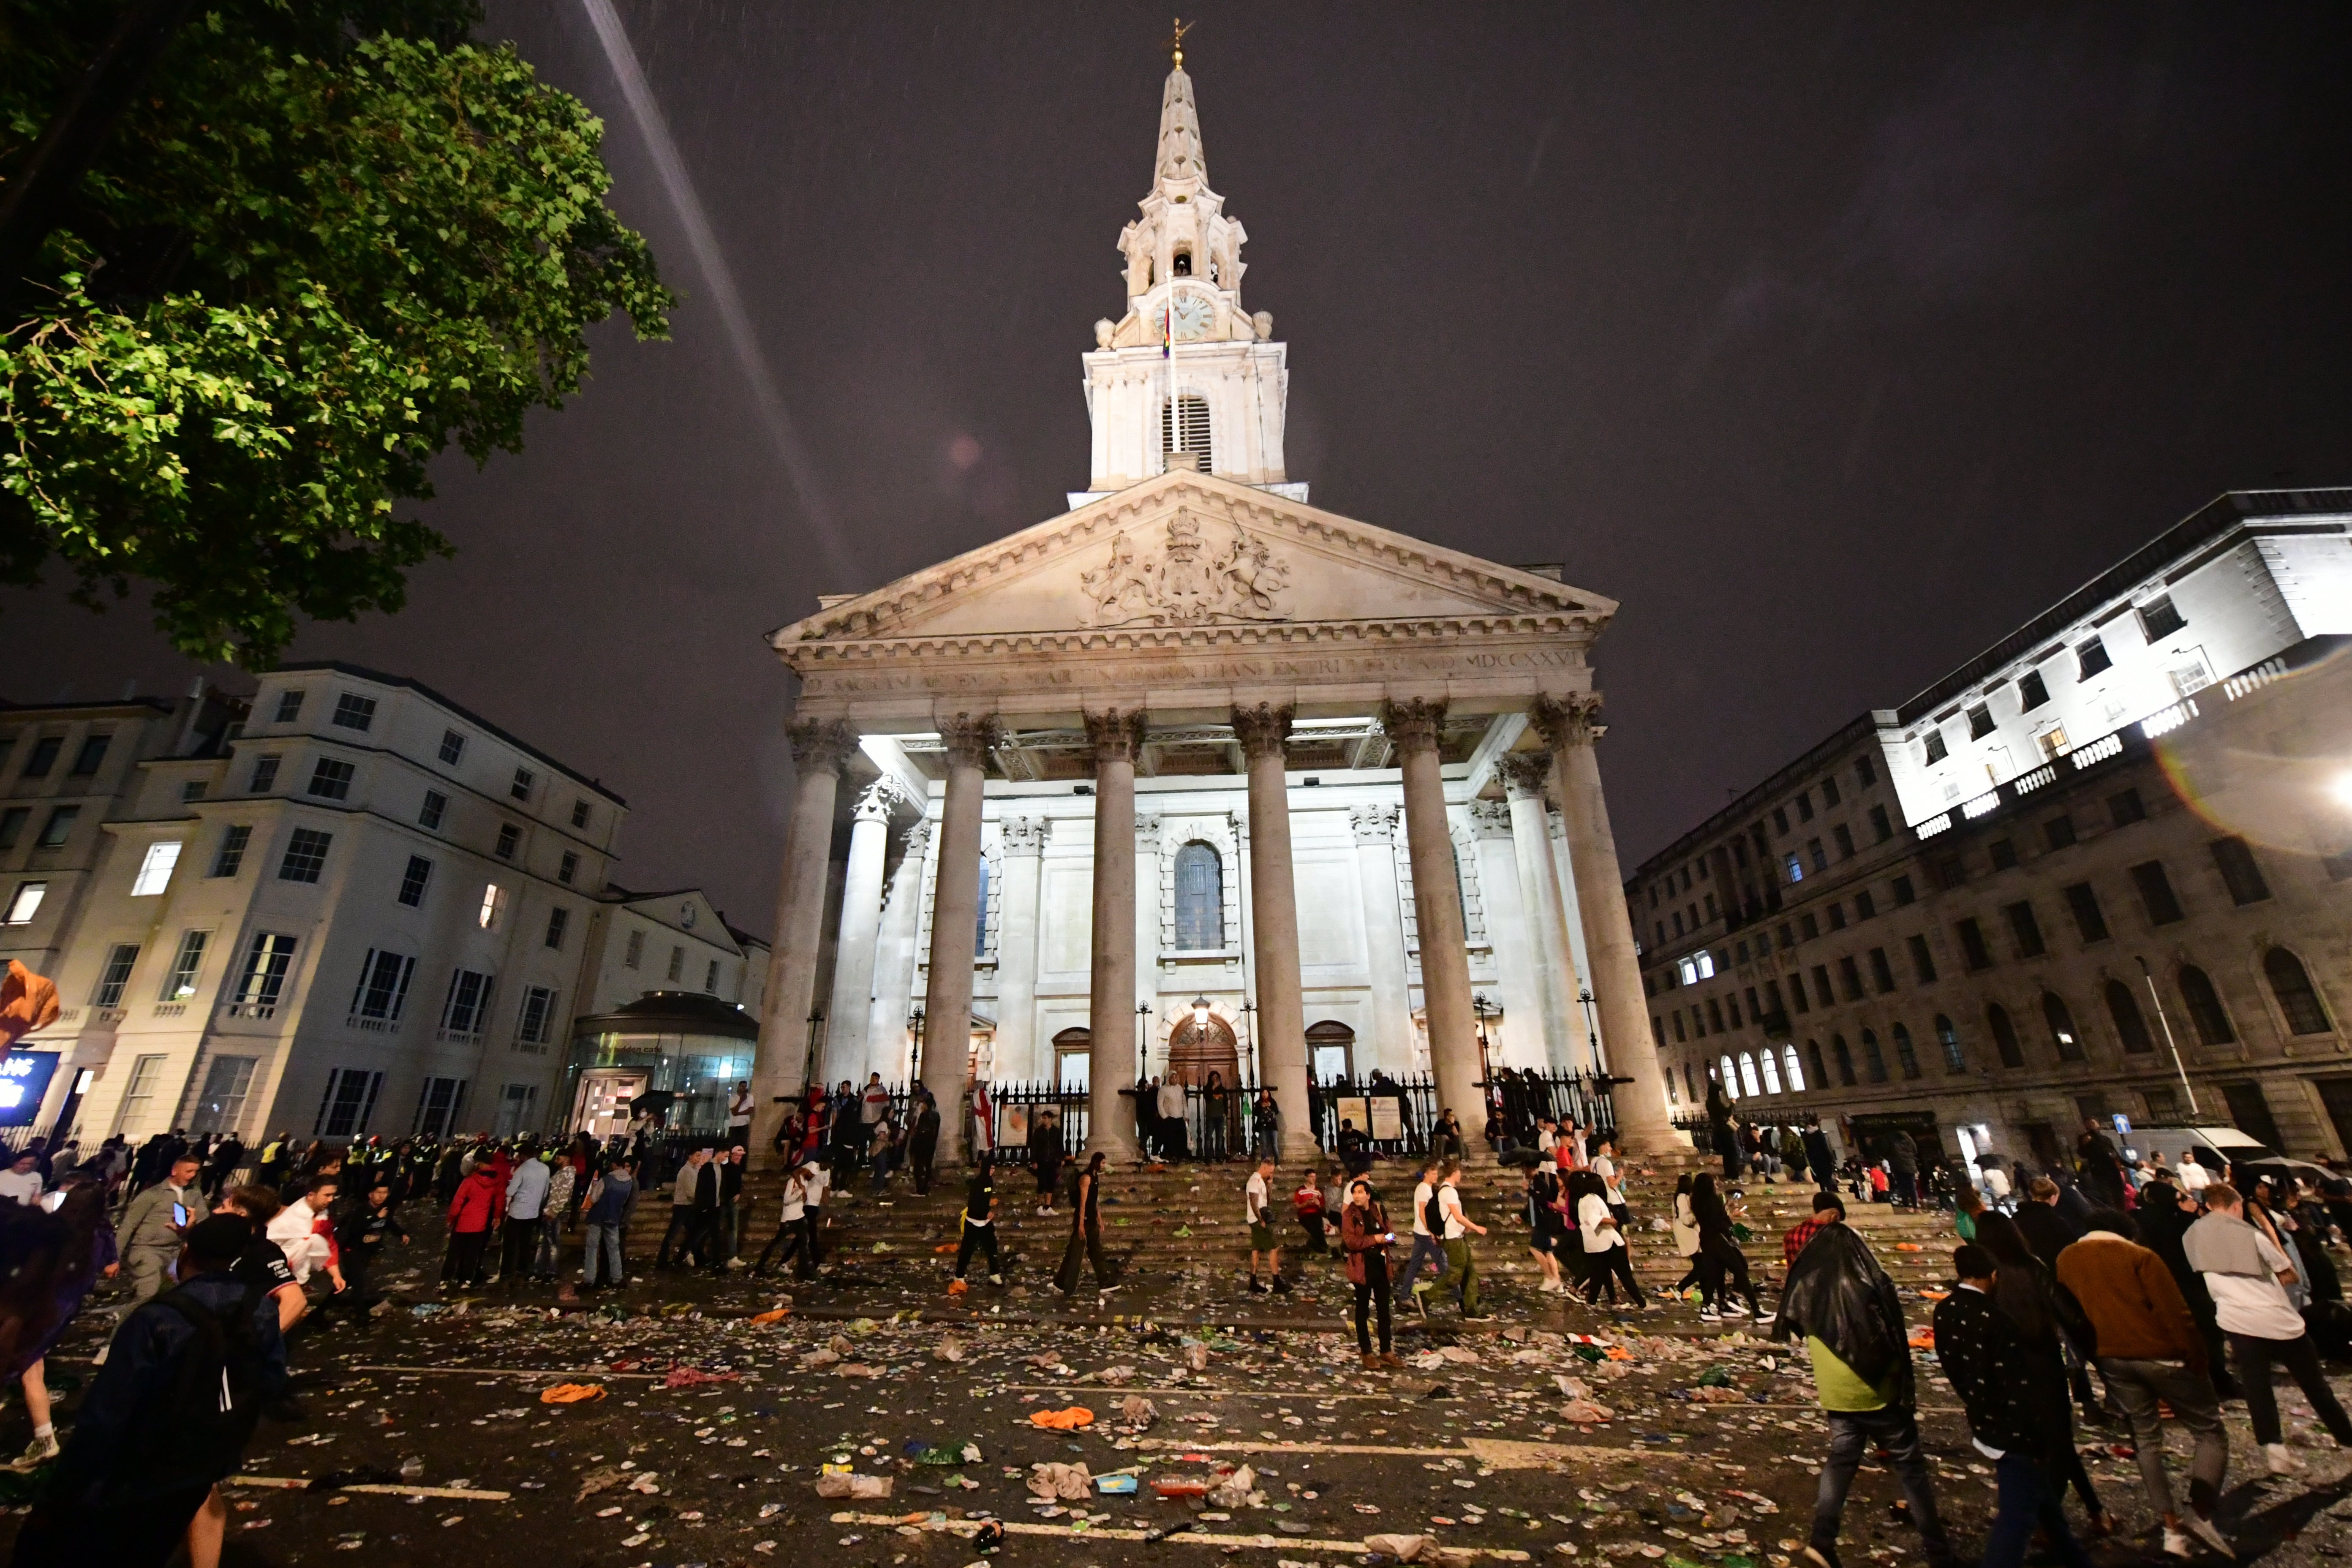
(1195,777)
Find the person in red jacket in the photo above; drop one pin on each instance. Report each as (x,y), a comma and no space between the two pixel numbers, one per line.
(474,1213)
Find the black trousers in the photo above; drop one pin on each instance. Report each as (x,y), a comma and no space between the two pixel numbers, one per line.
(1610,1268)
(977,1239)
(142,1537)
(680,1233)
(468,1250)
(1085,1246)
(921,1163)
(2301,1358)
(1733,1263)
(517,1238)
(1372,1292)
(791,1235)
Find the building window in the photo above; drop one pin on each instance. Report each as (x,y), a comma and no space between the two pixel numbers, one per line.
(266,965)
(12,825)
(711,977)
(979,913)
(2004,1036)
(1199,899)
(2298,1000)
(1979,720)
(1819,857)
(1880,829)
(1795,868)
(2123,808)
(1680,1036)
(59,827)
(2205,1009)
(508,836)
(265,776)
(413,880)
(155,868)
(633,955)
(1922,961)
(1907,1059)
(437,1101)
(436,804)
(1805,806)
(677,965)
(1973,947)
(2084,904)
(192,791)
(2130,1028)
(1715,1014)
(383,988)
(220,1107)
(1936,751)
(1950,873)
(523,779)
(557,921)
(2004,855)
(2156,893)
(538,1019)
(2058,832)
(2025,928)
(1185,435)
(1874,1060)
(120,959)
(2090,659)
(1845,836)
(453,747)
(494,903)
(467,1006)
(1865,907)
(1850,976)
(568,868)
(187,965)
(348,1103)
(331,779)
(2061,1027)
(2158,619)
(139,1094)
(1845,1059)
(306,856)
(289,706)
(1789,1070)
(1822,991)
(2031,693)
(43,756)
(1780,820)
(1882,974)
(2240,874)
(579,813)
(354,712)
(1813,1057)
(230,856)
(88,757)
(1904,893)
(1949,1038)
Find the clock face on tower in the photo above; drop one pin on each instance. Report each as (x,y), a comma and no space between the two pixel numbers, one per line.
(1189,317)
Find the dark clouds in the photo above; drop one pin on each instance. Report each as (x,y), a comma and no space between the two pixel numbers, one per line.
(1833,340)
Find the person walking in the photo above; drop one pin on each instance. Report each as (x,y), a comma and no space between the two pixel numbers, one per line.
(1823,1162)
(605,1217)
(1257,1198)
(1684,1226)
(1546,1226)
(527,1191)
(2013,1391)
(1607,1262)
(152,1226)
(1365,1237)
(979,1226)
(362,1232)
(2151,1354)
(1903,1167)
(2248,1275)
(1426,1252)
(679,1232)
(562,1188)
(2052,1321)
(923,1141)
(1453,1228)
(1840,1303)
(792,1226)
(1720,1243)
(1085,1232)
(728,1253)
(74,1249)
(473,1214)
(2099,1165)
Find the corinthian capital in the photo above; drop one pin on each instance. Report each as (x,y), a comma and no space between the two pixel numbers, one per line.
(822,742)
(1263,729)
(1523,774)
(1023,835)
(1115,735)
(1567,720)
(880,797)
(971,739)
(1373,824)
(1490,819)
(1413,724)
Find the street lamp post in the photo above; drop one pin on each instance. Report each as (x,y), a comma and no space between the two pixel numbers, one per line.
(1593,1031)
(2171,1044)
(915,1060)
(1482,1008)
(1142,1041)
(816,1027)
(1249,1042)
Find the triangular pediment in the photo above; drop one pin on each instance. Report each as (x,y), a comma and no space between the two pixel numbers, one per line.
(1198,553)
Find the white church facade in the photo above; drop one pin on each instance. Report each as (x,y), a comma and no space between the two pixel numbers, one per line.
(1196,777)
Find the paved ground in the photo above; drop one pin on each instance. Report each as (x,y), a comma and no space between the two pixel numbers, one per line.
(706,1444)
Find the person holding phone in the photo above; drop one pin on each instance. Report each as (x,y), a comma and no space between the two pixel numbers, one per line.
(152,1227)
(1365,1237)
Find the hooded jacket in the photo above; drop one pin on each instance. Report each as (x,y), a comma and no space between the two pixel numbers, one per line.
(1838,1294)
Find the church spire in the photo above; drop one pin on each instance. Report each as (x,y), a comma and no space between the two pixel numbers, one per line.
(1181,157)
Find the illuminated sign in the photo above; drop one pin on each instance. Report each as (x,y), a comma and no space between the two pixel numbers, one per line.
(24,1080)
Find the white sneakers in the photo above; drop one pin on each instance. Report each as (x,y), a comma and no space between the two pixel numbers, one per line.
(2204,1530)
(2280,1461)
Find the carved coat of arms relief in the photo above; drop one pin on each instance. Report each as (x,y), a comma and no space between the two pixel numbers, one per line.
(1186,578)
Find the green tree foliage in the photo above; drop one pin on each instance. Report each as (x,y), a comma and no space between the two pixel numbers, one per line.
(332,239)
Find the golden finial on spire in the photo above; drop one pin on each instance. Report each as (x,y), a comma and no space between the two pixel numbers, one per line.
(1176,39)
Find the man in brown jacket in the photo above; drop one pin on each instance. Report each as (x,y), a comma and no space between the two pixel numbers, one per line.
(2150,1350)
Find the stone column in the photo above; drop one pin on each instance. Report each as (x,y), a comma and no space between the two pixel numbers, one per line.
(955,910)
(1523,781)
(1526,1037)
(849,1013)
(1116,736)
(1385,957)
(1274,903)
(1566,726)
(1023,842)
(886,1038)
(1437,903)
(820,748)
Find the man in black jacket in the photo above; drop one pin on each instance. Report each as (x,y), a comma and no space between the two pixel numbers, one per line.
(2046,1231)
(2008,1395)
(1823,1162)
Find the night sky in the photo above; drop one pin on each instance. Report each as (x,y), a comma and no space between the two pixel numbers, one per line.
(1833,340)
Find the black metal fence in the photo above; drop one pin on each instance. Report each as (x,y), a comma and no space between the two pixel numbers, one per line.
(1522,1095)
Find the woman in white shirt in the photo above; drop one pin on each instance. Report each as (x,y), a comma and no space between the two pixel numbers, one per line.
(1685,1233)
(1606,1257)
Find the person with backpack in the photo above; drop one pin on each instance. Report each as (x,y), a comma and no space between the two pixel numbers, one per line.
(1453,1228)
(1425,1250)
(605,1217)
(167,1416)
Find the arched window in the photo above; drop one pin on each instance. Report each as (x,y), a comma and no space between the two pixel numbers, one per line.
(1690,1085)
(1772,1069)
(2130,1028)
(1844,1059)
(2004,1036)
(2297,999)
(1789,1066)
(1181,264)
(1813,1057)
(980,925)
(1949,1038)
(1730,1079)
(2063,1033)
(2205,1009)
(1184,434)
(1874,1060)
(1904,1056)
(1199,899)
(1748,1074)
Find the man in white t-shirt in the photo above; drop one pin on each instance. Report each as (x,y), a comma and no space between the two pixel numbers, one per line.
(2194,1177)
(1257,1200)
(2247,1274)
(1425,1250)
(739,1106)
(22,1181)
(1460,1266)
